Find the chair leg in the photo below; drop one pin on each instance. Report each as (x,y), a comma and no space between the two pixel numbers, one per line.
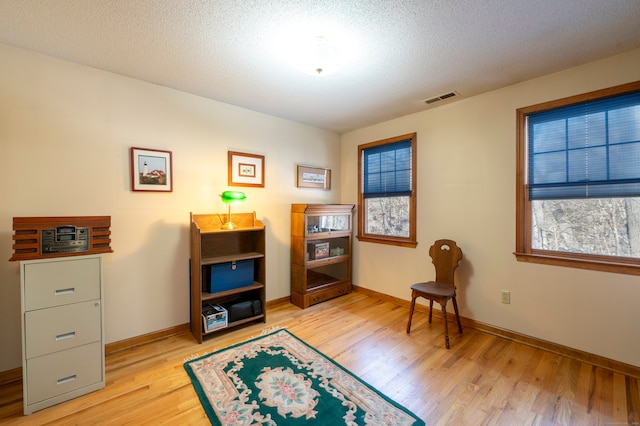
(455,308)
(413,305)
(446,328)
(430,310)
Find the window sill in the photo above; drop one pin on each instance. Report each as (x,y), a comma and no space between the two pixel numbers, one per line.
(387,240)
(603,264)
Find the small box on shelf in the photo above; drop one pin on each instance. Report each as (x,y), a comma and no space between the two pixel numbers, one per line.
(318,250)
(231,275)
(214,317)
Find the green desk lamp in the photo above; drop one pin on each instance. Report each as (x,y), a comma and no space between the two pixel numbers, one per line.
(232,197)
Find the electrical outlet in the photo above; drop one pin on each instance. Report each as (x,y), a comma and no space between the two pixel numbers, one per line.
(506,296)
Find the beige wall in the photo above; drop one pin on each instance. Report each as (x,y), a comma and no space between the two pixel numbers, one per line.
(65,134)
(466,191)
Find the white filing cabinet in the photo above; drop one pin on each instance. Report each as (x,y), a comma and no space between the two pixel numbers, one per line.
(62,329)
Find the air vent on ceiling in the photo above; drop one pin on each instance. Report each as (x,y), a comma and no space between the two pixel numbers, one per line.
(441,97)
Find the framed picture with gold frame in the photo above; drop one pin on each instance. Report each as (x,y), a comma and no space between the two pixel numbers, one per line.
(245,169)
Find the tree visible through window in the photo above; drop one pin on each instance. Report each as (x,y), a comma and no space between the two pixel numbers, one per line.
(579,181)
(600,226)
(386,191)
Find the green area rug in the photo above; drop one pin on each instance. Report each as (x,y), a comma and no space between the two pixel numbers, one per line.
(277,379)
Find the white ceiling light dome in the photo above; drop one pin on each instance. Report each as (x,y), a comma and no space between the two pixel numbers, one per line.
(318,55)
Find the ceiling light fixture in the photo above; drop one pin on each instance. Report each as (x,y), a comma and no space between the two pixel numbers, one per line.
(318,56)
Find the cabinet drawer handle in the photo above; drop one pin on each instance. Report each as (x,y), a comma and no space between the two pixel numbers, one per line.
(66,380)
(65,336)
(63,291)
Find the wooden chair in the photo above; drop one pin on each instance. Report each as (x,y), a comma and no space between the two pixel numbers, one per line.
(446,256)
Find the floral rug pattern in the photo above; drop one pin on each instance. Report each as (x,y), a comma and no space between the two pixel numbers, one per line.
(277,379)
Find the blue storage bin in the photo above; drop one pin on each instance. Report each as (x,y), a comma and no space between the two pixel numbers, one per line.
(230,275)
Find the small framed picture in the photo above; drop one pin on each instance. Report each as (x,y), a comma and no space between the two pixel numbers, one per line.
(246,169)
(151,170)
(314,177)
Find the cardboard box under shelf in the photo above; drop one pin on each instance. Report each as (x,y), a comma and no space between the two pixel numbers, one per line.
(231,275)
(214,317)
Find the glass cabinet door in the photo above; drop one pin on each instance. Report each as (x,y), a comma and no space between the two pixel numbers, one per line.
(327,248)
(328,223)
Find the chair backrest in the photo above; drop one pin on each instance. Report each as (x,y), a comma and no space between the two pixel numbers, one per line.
(445,255)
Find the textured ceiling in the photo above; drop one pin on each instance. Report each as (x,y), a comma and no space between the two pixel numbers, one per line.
(400,52)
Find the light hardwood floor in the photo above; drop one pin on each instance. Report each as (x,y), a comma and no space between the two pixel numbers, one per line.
(481,380)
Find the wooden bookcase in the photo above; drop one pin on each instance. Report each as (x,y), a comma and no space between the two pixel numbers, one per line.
(211,245)
(321,239)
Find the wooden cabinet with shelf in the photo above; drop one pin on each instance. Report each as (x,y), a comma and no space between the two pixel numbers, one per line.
(212,245)
(321,238)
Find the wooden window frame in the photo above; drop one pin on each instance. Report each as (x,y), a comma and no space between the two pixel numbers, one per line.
(524,251)
(410,241)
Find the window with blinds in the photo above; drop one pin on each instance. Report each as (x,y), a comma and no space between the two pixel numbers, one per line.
(578,189)
(588,150)
(387,196)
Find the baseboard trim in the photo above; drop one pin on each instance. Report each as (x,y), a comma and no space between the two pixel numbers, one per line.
(276,302)
(10,376)
(577,354)
(167,332)
(15,374)
(161,334)
(145,338)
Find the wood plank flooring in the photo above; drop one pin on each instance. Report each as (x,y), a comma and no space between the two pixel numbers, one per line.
(481,380)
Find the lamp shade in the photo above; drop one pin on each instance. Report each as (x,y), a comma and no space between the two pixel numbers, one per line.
(233,197)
